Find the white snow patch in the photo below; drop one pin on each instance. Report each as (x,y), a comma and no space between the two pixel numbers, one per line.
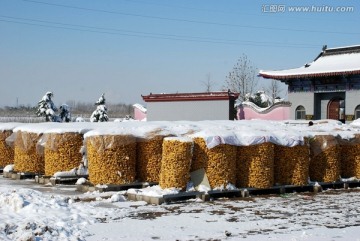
(154,191)
(9,168)
(117,198)
(81,181)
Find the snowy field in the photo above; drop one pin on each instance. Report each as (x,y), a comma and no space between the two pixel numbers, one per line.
(30,211)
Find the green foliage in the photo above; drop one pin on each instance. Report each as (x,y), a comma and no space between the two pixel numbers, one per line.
(258,101)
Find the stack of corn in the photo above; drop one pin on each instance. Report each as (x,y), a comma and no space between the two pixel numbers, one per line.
(27,158)
(200,158)
(324,158)
(219,162)
(111,158)
(255,166)
(62,152)
(291,164)
(6,151)
(176,162)
(350,157)
(148,155)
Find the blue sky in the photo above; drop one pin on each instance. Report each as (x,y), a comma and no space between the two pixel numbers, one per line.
(127,48)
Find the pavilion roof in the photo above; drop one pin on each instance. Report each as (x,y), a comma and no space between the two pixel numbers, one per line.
(330,62)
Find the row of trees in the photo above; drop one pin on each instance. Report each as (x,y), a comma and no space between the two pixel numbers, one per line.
(47,109)
(78,109)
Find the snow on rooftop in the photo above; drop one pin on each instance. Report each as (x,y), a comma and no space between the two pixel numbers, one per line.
(343,47)
(331,64)
(140,107)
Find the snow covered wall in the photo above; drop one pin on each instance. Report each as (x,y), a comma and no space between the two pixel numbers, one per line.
(278,111)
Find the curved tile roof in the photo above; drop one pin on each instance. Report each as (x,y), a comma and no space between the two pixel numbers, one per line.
(330,62)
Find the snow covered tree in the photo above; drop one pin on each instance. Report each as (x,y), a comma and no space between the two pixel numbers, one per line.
(100,114)
(46,107)
(101,100)
(242,78)
(65,114)
(260,99)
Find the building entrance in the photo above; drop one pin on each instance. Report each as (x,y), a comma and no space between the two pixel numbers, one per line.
(336,109)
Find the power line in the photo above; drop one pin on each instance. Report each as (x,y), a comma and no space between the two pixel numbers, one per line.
(85,28)
(188,8)
(188,21)
(229,12)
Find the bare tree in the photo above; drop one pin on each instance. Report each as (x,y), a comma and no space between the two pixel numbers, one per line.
(275,89)
(208,83)
(242,78)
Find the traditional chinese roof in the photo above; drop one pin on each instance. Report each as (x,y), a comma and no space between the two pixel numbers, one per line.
(203,96)
(330,62)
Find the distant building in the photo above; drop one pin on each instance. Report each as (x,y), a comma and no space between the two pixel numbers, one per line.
(191,106)
(139,112)
(326,88)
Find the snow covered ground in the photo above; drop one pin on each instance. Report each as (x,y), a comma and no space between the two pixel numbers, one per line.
(30,211)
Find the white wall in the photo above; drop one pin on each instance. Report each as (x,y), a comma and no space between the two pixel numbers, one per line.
(305,99)
(352,100)
(188,110)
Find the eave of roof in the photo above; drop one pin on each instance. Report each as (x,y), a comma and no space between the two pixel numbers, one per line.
(268,75)
(332,62)
(204,96)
